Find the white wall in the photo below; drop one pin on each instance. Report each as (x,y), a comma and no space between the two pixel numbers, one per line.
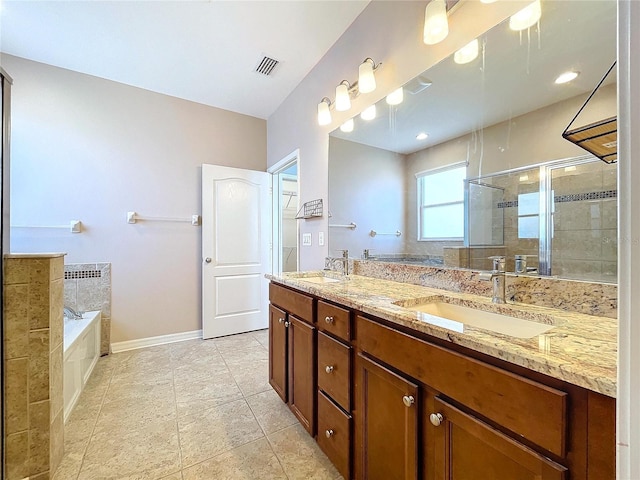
(388,32)
(91,149)
(367,188)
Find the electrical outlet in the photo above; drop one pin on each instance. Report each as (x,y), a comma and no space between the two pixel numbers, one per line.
(306,239)
(321,238)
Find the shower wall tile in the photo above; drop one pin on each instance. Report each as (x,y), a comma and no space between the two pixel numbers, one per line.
(610,213)
(56,381)
(57,441)
(17,272)
(17,456)
(16,320)
(38,305)
(16,395)
(39,435)
(38,365)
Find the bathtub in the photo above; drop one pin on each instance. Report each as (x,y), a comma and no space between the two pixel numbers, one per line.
(81,353)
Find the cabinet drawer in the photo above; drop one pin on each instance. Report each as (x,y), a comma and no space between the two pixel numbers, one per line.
(527,408)
(293,302)
(334,434)
(334,369)
(334,319)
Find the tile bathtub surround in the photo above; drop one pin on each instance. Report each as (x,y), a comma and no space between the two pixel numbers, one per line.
(33,287)
(189,411)
(87,287)
(600,299)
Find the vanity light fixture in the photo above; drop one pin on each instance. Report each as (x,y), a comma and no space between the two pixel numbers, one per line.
(487,1)
(566,77)
(347,127)
(396,97)
(324,115)
(369,113)
(436,24)
(343,97)
(422,136)
(366,78)
(467,53)
(527,17)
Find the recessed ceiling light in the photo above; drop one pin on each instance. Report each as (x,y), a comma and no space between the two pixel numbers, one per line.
(566,77)
(421,136)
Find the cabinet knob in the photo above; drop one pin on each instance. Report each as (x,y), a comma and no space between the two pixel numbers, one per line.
(328,368)
(207,260)
(281,320)
(287,324)
(436,419)
(328,319)
(408,400)
(328,433)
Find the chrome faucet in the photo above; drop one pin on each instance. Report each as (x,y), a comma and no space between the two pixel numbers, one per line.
(345,261)
(366,254)
(497,278)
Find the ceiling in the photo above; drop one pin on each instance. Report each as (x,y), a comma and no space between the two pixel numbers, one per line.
(517,77)
(203,51)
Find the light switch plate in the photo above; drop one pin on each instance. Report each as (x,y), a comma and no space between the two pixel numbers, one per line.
(321,238)
(306,239)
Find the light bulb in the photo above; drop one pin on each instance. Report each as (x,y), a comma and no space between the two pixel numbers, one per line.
(343,102)
(366,78)
(467,53)
(369,113)
(324,115)
(566,77)
(436,25)
(395,97)
(347,127)
(526,17)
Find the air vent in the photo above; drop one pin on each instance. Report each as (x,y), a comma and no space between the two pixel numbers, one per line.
(266,65)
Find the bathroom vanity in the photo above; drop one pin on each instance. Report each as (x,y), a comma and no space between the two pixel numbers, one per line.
(390,391)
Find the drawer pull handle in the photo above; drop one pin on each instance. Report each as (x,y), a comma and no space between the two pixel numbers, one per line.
(408,400)
(328,319)
(328,368)
(286,324)
(281,320)
(436,419)
(328,433)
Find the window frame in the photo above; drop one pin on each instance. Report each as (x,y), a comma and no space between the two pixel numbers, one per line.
(420,207)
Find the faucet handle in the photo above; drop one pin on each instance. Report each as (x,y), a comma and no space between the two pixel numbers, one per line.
(345,253)
(498,263)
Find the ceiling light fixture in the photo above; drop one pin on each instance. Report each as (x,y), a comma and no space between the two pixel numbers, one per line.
(347,127)
(343,98)
(422,136)
(324,115)
(527,17)
(436,24)
(366,78)
(566,77)
(369,113)
(396,97)
(467,53)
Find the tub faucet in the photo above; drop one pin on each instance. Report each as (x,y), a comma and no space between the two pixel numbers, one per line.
(345,261)
(497,278)
(71,314)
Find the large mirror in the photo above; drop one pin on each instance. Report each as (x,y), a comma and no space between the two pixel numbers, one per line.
(472,162)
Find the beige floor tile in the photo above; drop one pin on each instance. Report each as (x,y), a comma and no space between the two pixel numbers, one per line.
(126,414)
(215,431)
(300,456)
(148,453)
(196,390)
(237,342)
(142,388)
(81,422)
(253,377)
(201,361)
(263,337)
(174,476)
(252,461)
(192,351)
(270,411)
(69,467)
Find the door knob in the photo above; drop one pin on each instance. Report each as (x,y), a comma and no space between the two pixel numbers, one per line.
(207,260)
(408,400)
(328,433)
(436,419)
(328,368)
(328,319)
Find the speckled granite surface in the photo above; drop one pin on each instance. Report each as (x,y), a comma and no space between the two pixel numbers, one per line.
(581,349)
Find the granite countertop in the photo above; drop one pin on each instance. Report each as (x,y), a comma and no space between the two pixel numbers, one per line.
(581,349)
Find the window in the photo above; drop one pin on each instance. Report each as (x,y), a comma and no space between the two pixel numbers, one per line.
(528,215)
(441,203)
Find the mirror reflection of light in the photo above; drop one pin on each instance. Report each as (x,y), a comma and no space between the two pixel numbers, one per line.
(467,53)
(347,127)
(395,97)
(527,17)
(422,136)
(487,1)
(566,77)
(369,113)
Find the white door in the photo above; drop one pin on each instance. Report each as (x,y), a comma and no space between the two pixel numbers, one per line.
(236,236)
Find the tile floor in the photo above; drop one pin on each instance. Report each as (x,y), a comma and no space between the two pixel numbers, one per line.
(194,410)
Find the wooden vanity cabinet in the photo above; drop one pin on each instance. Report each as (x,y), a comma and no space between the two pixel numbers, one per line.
(292,352)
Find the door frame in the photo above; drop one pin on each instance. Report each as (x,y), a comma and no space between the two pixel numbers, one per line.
(276,240)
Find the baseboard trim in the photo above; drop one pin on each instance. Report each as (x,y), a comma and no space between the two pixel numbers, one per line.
(154,341)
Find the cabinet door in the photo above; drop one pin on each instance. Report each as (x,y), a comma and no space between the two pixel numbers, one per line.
(302,372)
(467,449)
(278,351)
(387,408)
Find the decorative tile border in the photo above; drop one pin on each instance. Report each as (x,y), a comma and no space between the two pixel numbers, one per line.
(83,274)
(575,197)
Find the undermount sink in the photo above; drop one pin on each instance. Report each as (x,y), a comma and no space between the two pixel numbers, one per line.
(454,317)
(319,279)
